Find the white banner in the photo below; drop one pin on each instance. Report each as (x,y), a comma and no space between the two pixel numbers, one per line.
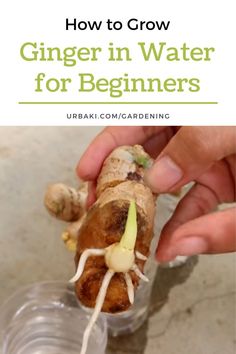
(117,63)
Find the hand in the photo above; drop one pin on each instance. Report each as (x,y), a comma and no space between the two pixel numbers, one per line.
(203,154)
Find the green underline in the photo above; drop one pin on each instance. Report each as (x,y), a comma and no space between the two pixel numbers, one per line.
(117,103)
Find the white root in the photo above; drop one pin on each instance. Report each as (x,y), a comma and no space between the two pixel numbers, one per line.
(85,255)
(140,256)
(130,288)
(99,303)
(138,272)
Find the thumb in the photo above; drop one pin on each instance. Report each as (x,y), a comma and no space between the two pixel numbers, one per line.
(212,233)
(188,154)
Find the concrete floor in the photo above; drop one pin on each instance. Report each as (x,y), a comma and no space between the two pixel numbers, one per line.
(193,307)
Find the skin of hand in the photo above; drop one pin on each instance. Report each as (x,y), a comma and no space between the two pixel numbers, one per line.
(205,155)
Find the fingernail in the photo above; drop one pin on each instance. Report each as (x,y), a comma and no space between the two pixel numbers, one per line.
(164,257)
(163,175)
(190,246)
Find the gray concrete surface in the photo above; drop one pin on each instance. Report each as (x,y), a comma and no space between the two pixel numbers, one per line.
(192,308)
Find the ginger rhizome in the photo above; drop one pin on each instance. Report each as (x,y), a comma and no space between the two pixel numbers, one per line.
(67,204)
(113,237)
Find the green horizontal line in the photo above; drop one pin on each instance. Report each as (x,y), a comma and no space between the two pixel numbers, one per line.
(117,102)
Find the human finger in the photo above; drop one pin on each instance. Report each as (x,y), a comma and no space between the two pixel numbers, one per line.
(188,154)
(208,234)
